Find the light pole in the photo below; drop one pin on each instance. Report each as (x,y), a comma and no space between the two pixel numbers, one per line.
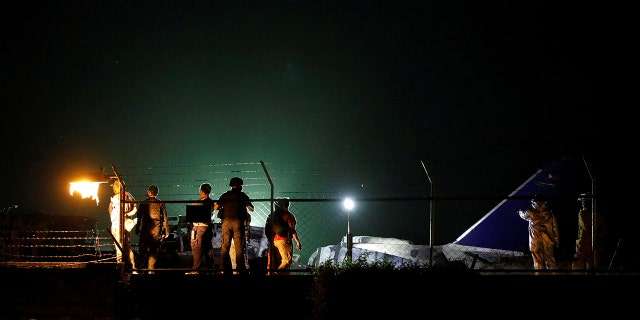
(348,205)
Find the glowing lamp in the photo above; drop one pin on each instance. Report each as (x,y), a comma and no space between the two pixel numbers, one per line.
(348,205)
(88,185)
(86,189)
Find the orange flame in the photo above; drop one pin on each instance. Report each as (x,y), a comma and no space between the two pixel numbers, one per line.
(86,189)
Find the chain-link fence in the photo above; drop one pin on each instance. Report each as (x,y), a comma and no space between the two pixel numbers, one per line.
(324,223)
(389,230)
(394,219)
(321,223)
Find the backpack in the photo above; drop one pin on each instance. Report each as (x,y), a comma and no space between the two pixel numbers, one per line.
(276,224)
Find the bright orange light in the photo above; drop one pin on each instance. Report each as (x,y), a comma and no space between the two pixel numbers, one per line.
(86,189)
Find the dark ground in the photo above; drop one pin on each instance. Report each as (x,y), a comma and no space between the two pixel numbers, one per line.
(100,292)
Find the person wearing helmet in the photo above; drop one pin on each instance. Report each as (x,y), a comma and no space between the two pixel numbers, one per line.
(585,258)
(233,208)
(544,237)
(280,229)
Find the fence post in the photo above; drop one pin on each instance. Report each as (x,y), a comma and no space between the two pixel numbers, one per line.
(431,216)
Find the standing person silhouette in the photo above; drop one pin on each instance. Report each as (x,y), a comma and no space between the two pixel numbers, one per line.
(280,229)
(202,232)
(585,257)
(152,228)
(233,209)
(544,237)
(130,211)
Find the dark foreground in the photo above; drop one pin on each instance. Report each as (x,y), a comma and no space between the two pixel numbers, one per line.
(100,292)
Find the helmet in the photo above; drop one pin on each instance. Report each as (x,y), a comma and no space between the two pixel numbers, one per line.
(236,182)
(281,203)
(538,200)
(586,198)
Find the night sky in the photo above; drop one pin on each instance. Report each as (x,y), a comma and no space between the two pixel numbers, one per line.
(484,92)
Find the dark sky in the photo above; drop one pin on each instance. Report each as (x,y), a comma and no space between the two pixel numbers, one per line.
(484,92)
